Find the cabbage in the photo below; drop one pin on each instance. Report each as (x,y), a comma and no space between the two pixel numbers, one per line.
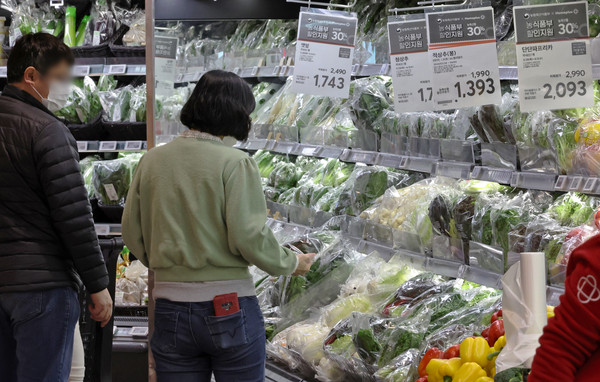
(307,340)
(343,307)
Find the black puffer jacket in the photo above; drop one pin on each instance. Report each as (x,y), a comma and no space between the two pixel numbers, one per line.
(47,236)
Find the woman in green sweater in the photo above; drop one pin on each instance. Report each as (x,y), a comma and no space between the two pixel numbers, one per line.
(195,215)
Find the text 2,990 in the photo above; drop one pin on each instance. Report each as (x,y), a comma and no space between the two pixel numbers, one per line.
(333,82)
(562,89)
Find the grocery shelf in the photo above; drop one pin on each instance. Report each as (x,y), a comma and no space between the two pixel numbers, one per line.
(187,75)
(110,146)
(441,266)
(433,166)
(122,66)
(106,230)
(276,373)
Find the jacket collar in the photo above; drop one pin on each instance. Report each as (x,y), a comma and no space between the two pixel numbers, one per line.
(18,94)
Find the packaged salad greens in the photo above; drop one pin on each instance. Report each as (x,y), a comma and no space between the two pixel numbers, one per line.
(83,105)
(111,179)
(126,104)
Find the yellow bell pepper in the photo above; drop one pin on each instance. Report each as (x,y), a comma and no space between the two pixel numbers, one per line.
(491,368)
(500,343)
(549,311)
(469,372)
(437,369)
(475,350)
(485,379)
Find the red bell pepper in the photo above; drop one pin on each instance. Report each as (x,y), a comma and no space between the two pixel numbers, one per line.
(431,354)
(422,379)
(496,331)
(485,333)
(496,316)
(452,352)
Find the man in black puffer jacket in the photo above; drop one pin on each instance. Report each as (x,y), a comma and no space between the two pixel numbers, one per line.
(48,244)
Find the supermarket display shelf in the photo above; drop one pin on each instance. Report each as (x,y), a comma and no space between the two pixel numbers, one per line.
(108,230)
(433,166)
(122,66)
(194,74)
(191,75)
(276,373)
(110,146)
(441,266)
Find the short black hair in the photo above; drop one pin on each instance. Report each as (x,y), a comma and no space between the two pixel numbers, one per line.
(40,50)
(220,105)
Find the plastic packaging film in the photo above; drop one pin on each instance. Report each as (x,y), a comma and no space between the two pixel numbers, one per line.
(533,280)
(524,310)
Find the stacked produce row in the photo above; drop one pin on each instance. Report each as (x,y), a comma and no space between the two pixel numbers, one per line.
(358,317)
(88,100)
(555,142)
(429,209)
(96,26)
(252,43)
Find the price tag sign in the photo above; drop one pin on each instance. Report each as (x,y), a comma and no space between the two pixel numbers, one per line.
(82,146)
(385,68)
(102,229)
(3,71)
(108,146)
(411,69)
(462,51)
(117,69)
(165,65)
(553,56)
(309,151)
(133,145)
(81,70)
(324,53)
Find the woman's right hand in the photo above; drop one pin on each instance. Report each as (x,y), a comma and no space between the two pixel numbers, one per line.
(305,261)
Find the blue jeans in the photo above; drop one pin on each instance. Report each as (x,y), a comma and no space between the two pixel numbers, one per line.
(189,343)
(36,335)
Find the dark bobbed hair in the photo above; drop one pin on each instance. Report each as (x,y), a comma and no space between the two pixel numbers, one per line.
(40,50)
(220,105)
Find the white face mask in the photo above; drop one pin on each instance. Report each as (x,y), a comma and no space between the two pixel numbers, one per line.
(58,95)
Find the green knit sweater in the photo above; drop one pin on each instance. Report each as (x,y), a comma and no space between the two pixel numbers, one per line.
(196,212)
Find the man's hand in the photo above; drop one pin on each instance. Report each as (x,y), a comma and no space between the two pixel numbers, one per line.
(305,261)
(101,307)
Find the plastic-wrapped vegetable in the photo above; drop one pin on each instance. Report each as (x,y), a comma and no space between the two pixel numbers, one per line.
(574,209)
(586,156)
(407,209)
(87,170)
(262,93)
(138,104)
(102,24)
(285,175)
(370,98)
(111,179)
(136,35)
(402,368)
(126,104)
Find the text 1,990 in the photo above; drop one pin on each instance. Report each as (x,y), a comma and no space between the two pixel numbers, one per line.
(562,89)
(480,74)
(471,88)
(322,81)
